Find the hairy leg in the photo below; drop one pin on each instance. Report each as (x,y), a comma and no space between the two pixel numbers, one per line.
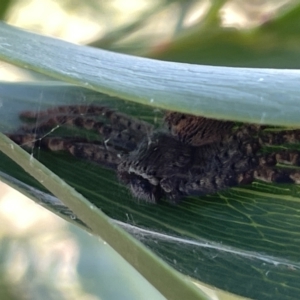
(116,129)
(115,119)
(78,147)
(268,161)
(269,138)
(286,157)
(268,174)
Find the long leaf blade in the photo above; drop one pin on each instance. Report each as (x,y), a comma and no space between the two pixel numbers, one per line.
(263,96)
(246,234)
(153,269)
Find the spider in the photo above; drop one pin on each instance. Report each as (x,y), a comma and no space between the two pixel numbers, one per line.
(189,156)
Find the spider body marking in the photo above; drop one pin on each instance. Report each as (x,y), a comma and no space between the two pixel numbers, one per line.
(190,156)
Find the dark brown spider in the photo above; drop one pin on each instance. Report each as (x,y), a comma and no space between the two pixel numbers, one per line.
(191,156)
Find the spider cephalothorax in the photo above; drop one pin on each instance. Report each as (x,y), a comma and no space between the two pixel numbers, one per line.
(190,156)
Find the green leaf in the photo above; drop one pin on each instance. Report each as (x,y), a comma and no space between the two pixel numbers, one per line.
(153,269)
(245,240)
(158,273)
(263,96)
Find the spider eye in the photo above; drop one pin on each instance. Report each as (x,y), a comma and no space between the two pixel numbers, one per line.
(141,188)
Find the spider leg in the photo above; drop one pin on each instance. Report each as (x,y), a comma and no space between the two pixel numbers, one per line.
(78,147)
(267,138)
(116,119)
(269,174)
(117,129)
(30,140)
(266,170)
(286,157)
(98,154)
